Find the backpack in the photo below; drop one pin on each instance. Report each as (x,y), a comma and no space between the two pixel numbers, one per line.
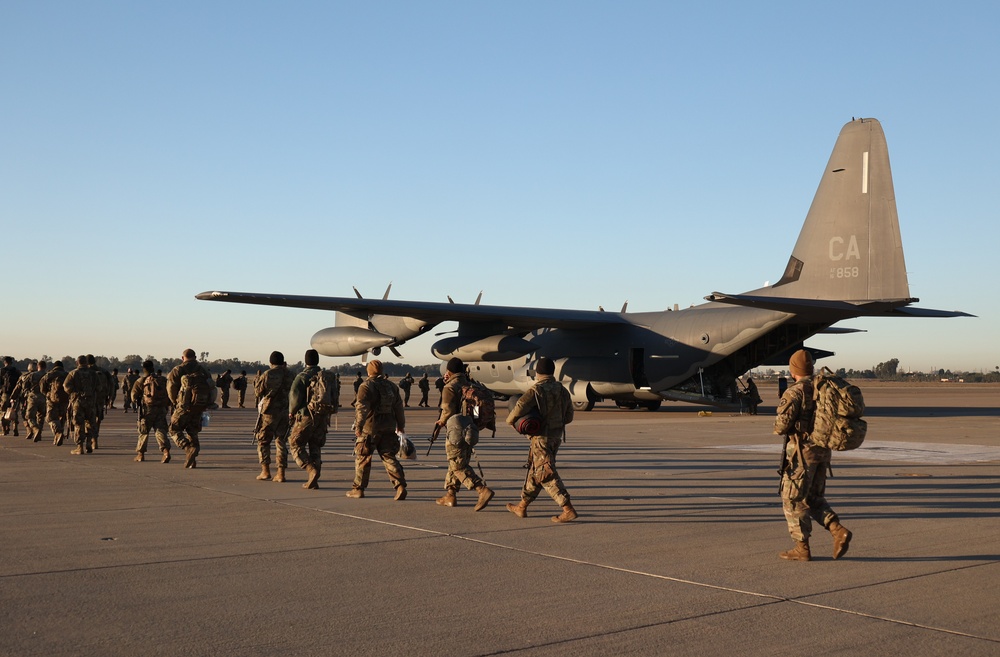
(320,393)
(196,391)
(837,422)
(86,383)
(154,391)
(54,382)
(477,401)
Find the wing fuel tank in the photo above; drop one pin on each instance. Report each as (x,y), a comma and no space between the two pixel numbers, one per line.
(492,348)
(348,341)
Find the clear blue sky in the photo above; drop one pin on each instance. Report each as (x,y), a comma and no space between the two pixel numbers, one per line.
(563,154)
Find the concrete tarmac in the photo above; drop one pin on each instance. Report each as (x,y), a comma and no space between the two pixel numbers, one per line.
(674,552)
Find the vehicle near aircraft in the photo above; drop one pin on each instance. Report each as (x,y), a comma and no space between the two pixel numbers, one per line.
(847,262)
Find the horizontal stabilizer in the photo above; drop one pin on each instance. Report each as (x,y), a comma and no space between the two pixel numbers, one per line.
(928,312)
(822,308)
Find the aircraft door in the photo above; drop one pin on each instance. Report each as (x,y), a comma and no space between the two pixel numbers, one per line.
(637,366)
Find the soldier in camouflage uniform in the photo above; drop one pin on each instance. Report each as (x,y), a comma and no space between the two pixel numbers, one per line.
(56,400)
(103,380)
(115,384)
(378,414)
(33,400)
(150,390)
(81,385)
(240,386)
(128,383)
(458,451)
(556,408)
(272,389)
(224,382)
(9,376)
(310,425)
(804,468)
(185,423)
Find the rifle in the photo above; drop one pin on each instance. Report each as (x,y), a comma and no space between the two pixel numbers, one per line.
(256,428)
(434,436)
(784,462)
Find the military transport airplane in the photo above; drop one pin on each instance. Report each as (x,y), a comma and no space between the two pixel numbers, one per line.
(847,262)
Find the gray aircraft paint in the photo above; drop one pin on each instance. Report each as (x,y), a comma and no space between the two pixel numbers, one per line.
(847,262)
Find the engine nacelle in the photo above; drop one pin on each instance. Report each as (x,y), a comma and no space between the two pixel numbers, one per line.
(491,348)
(348,341)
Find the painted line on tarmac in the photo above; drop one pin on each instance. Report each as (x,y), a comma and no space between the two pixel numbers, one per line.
(755,594)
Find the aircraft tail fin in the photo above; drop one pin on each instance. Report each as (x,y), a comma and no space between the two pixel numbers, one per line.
(850,248)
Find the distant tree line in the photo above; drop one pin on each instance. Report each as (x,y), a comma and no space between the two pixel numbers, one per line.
(889,371)
(220,365)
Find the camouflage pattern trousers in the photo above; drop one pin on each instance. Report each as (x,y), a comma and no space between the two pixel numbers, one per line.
(542,472)
(186,421)
(55,415)
(34,413)
(9,408)
(803,491)
(459,471)
(307,439)
(386,443)
(83,416)
(154,420)
(273,428)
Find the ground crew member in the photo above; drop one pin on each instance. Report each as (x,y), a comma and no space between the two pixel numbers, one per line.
(555,406)
(150,390)
(190,390)
(56,400)
(803,470)
(310,415)
(378,414)
(458,451)
(272,389)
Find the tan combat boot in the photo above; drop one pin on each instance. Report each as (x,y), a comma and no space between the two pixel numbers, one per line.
(520,509)
(280,477)
(448,499)
(841,539)
(798,553)
(265,472)
(485,495)
(166,456)
(189,460)
(568,514)
(356,493)
(139,457)
(311,482)
(78,450)
(400,493)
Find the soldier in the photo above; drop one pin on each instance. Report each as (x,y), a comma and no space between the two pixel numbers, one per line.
(191,391)
(272,389)
(357,385)
(9,375)
(378,414)
(405,384)
(33,400)
(223,382)
(103,391)
(240,386)
(150,390)
(128,384)
(56,400)
(556,409)
(752,395)
(439,384)
(425,385)
(114,389)
(457,449)
(311,400)
(804,466)
(81,386)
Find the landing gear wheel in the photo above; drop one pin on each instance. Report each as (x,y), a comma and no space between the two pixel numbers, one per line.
(583,406)
(652,406)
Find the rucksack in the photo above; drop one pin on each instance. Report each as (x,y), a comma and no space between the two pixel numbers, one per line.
(196,391)
(54,382)
(154,391)
(385,393)
(477,402)
(837,422)
(320,393)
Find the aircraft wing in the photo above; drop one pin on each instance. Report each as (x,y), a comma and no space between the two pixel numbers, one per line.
(431,312)
(834,308)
